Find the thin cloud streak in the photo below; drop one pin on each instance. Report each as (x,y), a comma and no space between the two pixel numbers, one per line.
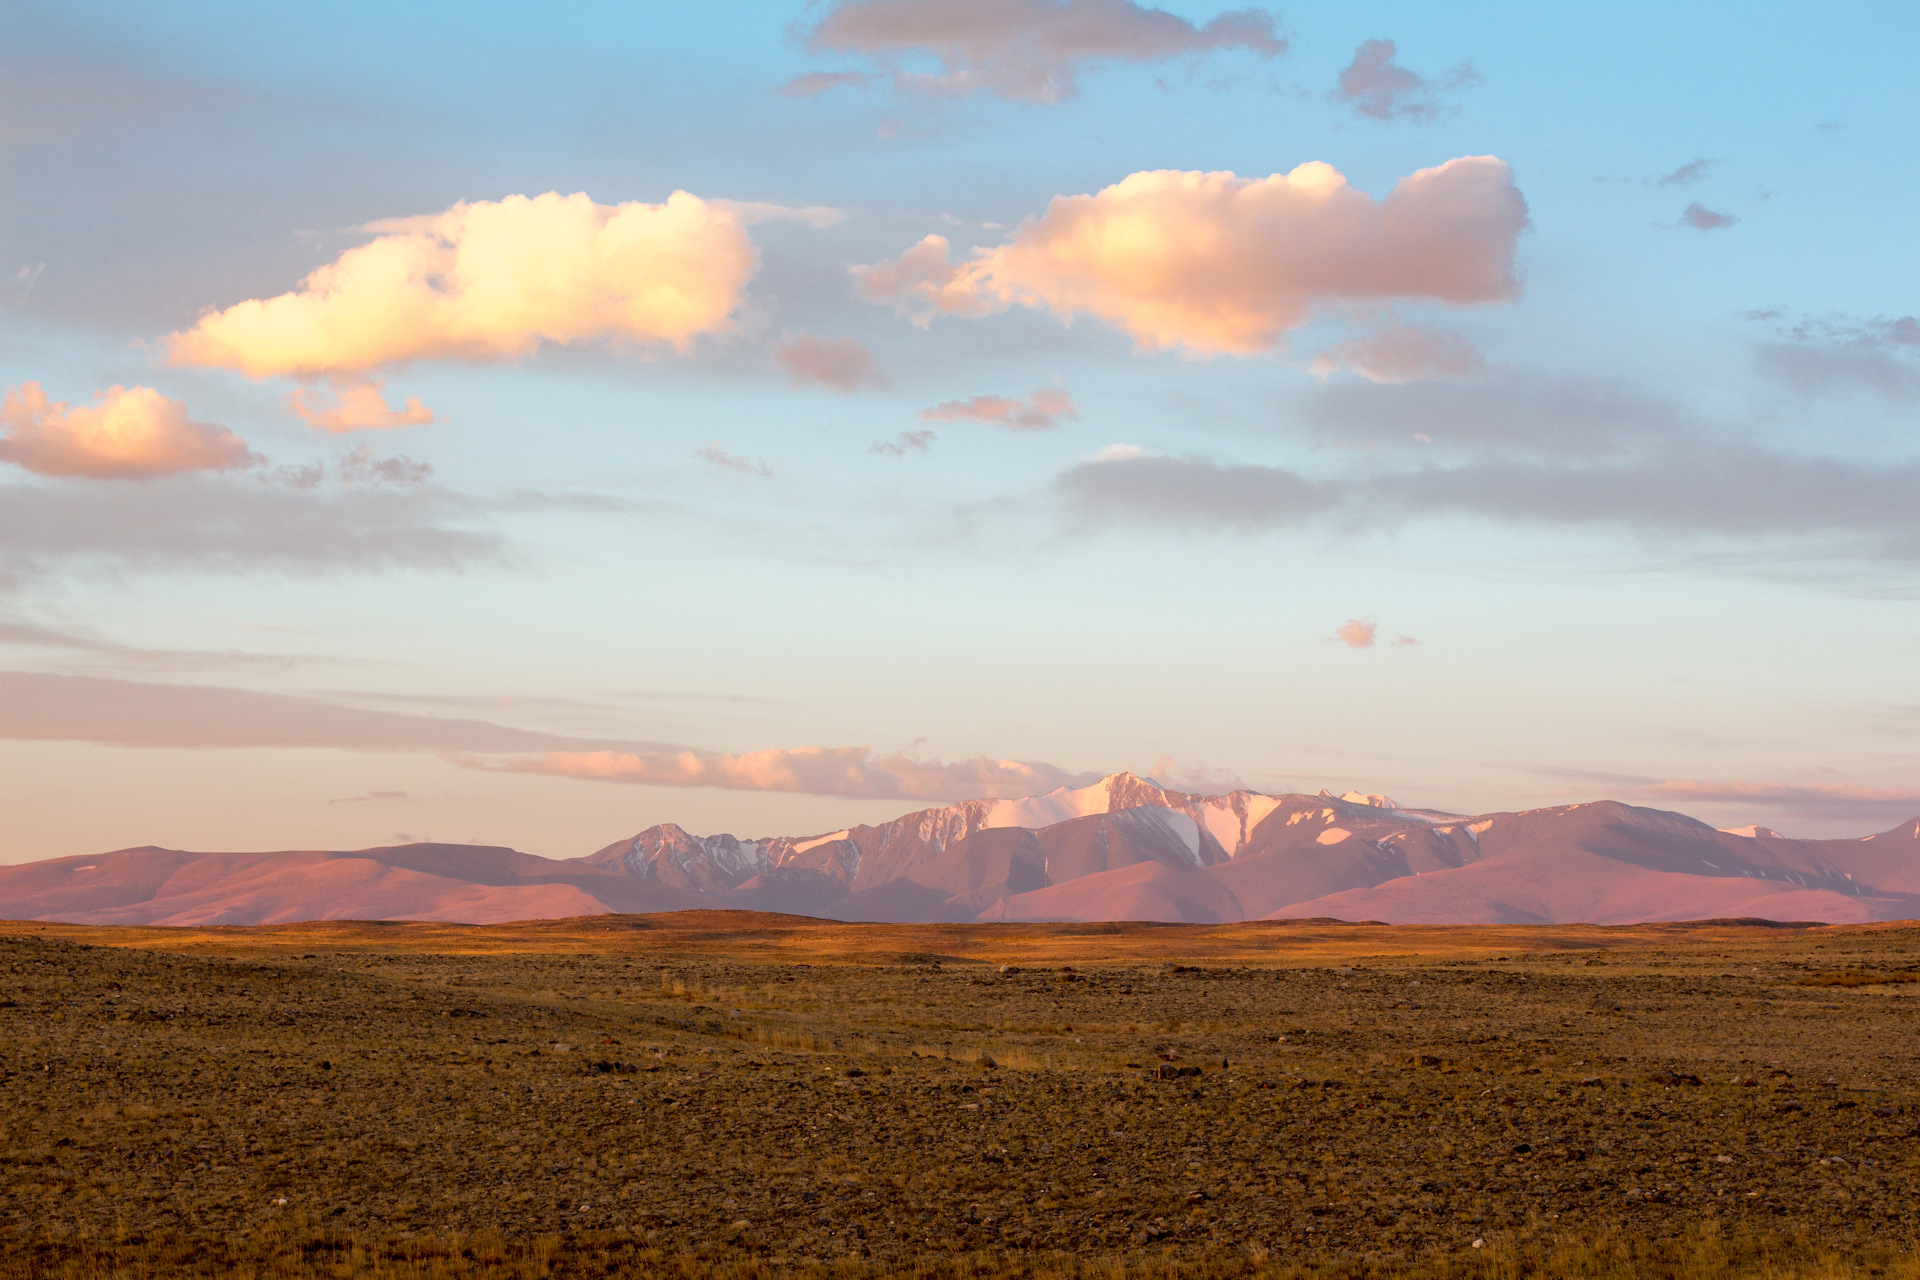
(1041,410)
(850,772)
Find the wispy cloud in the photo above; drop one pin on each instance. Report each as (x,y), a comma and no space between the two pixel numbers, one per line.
(905,442)
(1214,263)
(1041,410)
(852,772)
(1026,50)
(1687,174)
(1809,799)
(1700,218)
(1379,88)
(714,455)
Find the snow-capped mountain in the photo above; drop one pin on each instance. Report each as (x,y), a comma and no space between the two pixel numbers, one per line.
(1124,848)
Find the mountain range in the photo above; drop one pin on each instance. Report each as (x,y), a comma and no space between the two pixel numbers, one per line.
(1124,848)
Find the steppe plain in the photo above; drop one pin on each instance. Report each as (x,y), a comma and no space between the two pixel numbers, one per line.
(726,1093)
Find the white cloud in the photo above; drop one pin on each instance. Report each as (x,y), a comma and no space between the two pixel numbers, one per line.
(490,281)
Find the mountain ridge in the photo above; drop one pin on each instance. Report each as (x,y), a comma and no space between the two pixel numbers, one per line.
(1124,847)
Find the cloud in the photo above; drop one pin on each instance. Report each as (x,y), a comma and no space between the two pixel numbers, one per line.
(1800,799)
(851,772)
(918,441)
(714,455)
(1701,218)
(358,466)
(358,405)
(838,364)
(1404,353)
(37,707)
(1559,417)
(1025,50)
(1877,354)
(1212,262)
(1355,634)
(289,521)
(126,434)
(490,281)
(1042,410)
(1686,175)
(1128,486)
(1828,508)
(1379,88)
(805,86)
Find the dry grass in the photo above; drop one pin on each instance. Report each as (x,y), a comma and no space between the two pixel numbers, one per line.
(1855,978)
(661,1096)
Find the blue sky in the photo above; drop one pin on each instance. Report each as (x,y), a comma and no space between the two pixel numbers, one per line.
(1657,543)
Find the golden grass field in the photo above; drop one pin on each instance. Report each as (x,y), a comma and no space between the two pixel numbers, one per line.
(746,1095)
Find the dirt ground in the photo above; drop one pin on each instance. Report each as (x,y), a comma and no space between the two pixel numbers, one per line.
(723,1087)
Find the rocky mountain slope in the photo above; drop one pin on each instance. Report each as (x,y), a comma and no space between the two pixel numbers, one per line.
(1124,848)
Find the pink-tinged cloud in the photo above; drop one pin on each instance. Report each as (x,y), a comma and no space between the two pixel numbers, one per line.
(356,404)
(1404,353)
(1355,633)
(1213,262)
(1041,411)
(826,771)
(1026,50)
(128,433)
(838,364)
(1379,88)
(490,281)
(1701,218)
(714,455)
(1791,796)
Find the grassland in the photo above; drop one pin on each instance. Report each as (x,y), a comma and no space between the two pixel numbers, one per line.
(716,1093)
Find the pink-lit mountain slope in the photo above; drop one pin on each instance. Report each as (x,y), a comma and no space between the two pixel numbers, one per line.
(1121,849)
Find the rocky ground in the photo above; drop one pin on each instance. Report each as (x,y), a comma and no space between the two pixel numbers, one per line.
(763,1087)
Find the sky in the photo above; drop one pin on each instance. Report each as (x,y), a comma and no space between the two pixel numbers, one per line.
(523,424)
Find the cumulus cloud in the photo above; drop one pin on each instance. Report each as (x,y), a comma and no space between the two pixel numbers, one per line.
(1379,88)
(1701,218)
(916,441)
(714,455)
(1404,353)
(490,281)
(1042,410)
(1355,633)
(127,433)
(1026,50)
(1213,262)
(838,364)
(357,405)
(852,772)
